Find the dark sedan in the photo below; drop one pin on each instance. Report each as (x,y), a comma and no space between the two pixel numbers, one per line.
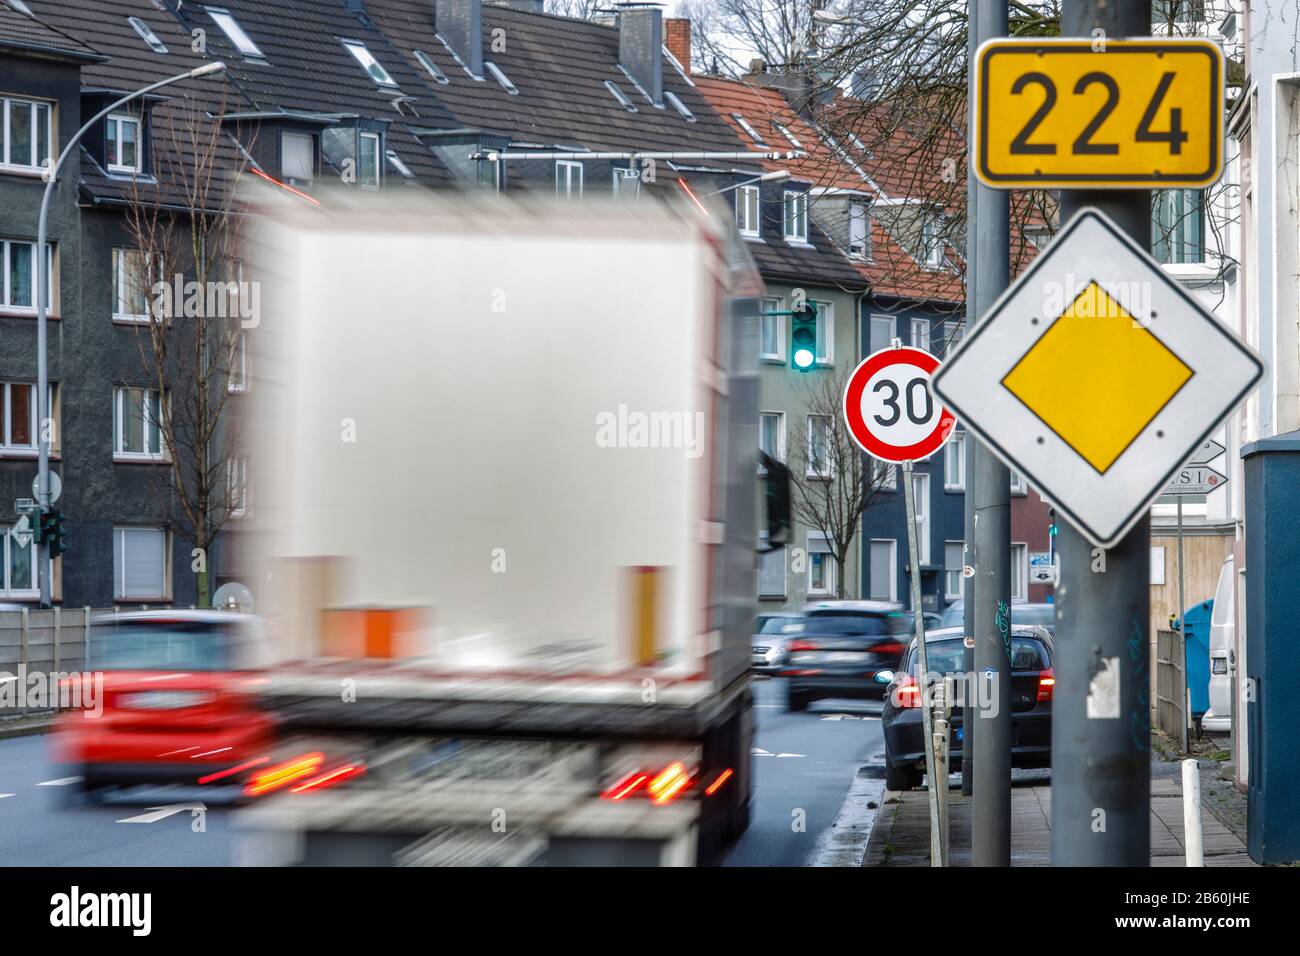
(842,651)
(1043,615)
(1032,684)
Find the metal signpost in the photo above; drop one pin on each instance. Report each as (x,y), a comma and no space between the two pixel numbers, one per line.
(1096,375)
(891,414)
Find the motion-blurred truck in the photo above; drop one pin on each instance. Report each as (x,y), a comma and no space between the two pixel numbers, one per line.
(502,462)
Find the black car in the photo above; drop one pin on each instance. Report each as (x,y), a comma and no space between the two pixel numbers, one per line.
(1043,615)
(1032,684)
(843,650)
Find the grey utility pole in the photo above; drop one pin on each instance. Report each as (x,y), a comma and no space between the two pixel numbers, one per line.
(1101,773)
(42,306)
(990,498)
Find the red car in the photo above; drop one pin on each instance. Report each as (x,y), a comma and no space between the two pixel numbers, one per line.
(176,703)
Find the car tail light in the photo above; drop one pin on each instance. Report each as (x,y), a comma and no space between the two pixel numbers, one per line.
(1046,684)
(907,693)
(891,647)
(802,645)
(282,774)
(669,784)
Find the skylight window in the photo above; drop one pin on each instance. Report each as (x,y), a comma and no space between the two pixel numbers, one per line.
(432,67)
(679,106)
(22,8)
(398,165)
(790,137)
(619,95)
(677,65)
(234,32)
(147,34)
(744,124)
(368,62)
(501,78)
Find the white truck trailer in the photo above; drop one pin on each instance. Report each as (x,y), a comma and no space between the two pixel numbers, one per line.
(502,462)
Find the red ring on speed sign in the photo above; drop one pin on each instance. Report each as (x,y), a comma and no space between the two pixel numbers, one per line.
(879,446)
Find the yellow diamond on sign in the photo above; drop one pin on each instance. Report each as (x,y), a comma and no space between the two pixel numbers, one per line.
(1097,377)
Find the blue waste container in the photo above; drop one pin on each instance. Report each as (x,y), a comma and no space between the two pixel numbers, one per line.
(1196,626)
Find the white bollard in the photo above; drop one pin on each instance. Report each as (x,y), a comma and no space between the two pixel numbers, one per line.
(1192,814)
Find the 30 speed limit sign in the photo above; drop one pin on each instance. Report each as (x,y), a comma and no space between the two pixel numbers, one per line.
(889,408)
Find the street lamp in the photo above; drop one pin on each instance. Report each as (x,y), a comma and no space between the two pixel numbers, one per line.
(51,176)
(775,176)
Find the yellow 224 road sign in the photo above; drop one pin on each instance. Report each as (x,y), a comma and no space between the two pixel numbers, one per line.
(1097,114)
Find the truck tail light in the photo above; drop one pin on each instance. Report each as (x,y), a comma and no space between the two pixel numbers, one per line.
(282,774)
(669,784)
(1046,684)
(718,782)
(662,787)
(330,778)
(627,786)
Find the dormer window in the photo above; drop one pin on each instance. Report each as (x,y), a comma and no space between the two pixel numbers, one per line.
(747,207)
(859,230)
(369,63)
(235,33)
(122,152)
(297,158)
(796,216)
(932,242)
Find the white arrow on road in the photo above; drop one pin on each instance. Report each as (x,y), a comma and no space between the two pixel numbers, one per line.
(841,717)
(162,813)
(792,755)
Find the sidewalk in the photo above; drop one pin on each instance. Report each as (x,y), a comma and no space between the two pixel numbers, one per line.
(901,836)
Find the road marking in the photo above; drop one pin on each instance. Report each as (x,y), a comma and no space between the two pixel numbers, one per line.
(760,752)
(792,755)
(162,813)
(60,782)
(844,843)
(3,795)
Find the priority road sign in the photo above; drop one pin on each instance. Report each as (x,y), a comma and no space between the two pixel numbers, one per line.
(889,408)
(1096,376)
(1084,113)
(1195,480)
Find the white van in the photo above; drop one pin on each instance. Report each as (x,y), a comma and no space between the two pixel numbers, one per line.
(1219,717)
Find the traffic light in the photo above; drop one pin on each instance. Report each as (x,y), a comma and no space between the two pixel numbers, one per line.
(803,336)
(51,529)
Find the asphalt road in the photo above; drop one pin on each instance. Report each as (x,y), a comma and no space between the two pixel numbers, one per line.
(35,830)
(804,765)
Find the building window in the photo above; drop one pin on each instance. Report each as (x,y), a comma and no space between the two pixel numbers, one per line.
(952,333)
(884,475)
(954,463)
(237,379)
(1019,571)
(921,492)
(137,418)
(18,574)
(882,577)
(859,230)
(122,144)
(237,486)
(748,128)
(796,216)
(568,179)
(771,570)
(825,332)
(921,334)
(771,339)
(17,416)
(627,183)
(932,241)
(771,434)
(297,158)
(819,446)
(747,207)
(140,564)
(133,282)
(234,32)
(26,134)
(1178,226)
(1018,486)
(884,329)
(368,161)
(821,565)
(19,281)
(952,565)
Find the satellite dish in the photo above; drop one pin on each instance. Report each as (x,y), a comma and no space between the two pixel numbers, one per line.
(233,597)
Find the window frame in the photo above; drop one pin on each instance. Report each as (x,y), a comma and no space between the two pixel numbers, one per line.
(239,355)
(744,208)
(361,53)
(7,447)
(890,470)
(920,331)
(120,393)
(569,165)
(34,107)
(860,212)
(932,242)
(827,564)
(1018,486)
(893,329)
(119,267)
(772,304)
(893,567)
(362,136)
(1019,571)
(948,594)
(758,571)
(119,555)
(237,487)
(921,498)
(825,348)
(233,31)
(809,470)
(7,591)
(298,135)
(956,446)
(6,291)
(794,216)
(779,452)
(119,166)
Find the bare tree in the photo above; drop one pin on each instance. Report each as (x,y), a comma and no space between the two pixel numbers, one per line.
(831,482)
(183,283)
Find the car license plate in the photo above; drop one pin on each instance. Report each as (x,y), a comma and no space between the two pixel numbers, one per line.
(166,700)
(845,657)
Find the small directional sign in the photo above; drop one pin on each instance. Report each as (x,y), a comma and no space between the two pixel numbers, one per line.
(1103,113)
(1195,480)
(1097,376)
(1209,450)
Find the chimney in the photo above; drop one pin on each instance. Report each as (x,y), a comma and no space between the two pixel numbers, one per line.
(679,40)
(460,25)
(640,47)
(528,6)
